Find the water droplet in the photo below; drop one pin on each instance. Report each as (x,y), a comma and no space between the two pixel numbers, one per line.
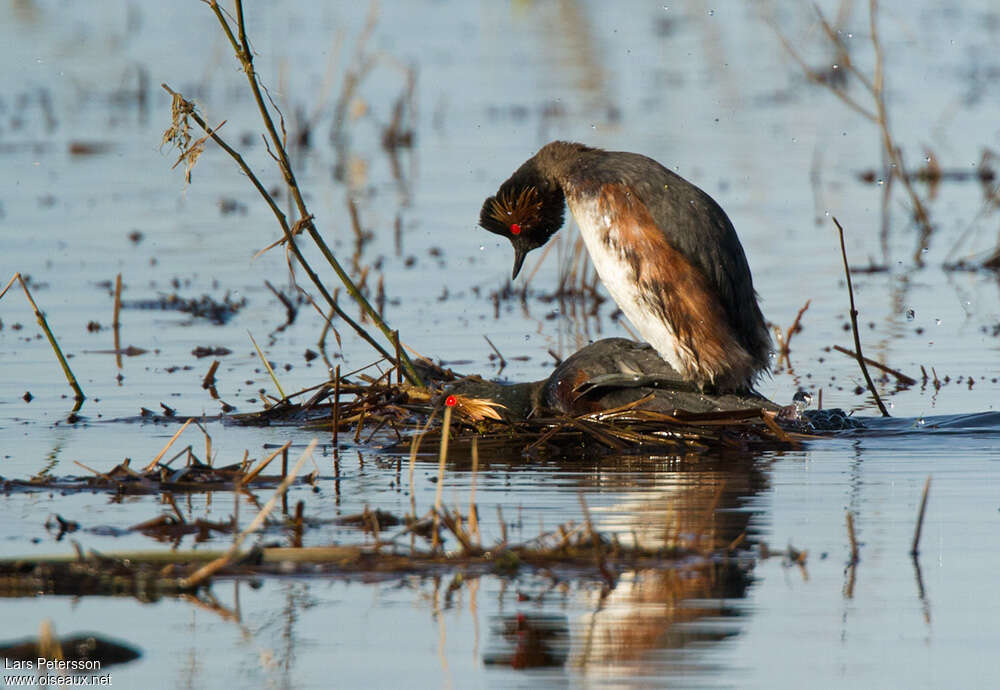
(711,13)
(836,67)
(937,322)
(921,421)
(482,248)
(910,314)
(880,181)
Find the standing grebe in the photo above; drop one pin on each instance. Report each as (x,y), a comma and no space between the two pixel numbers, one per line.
(664,249)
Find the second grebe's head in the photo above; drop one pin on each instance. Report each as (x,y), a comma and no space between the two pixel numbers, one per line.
(527,210)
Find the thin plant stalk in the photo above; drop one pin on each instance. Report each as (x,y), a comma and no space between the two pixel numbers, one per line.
(878,114)
(244,53)
(473,516)
(159,456)
(854,323)
(442,459)
(78,392)
(267,365)
(290,232)
(336,411)
(116,321)
(264,463)
(213,567)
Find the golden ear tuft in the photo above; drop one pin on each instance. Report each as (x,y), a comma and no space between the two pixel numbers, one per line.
(477,409)
(509,208)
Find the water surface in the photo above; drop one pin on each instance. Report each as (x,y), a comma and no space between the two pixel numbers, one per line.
(708,91)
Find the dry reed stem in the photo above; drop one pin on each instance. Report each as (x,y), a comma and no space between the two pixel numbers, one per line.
(854,323)
(283,222)
(159,456)
(267,365)
(785,338)
(473,511)
(264,463)
(396,345)
(818,78)
(900,376)
(442,459)
(875,86)
(102,475)
(303,223)
(49,646)
(227,558)
(244,53)
(892,150)
(768,419)
(503,362)
(208,442)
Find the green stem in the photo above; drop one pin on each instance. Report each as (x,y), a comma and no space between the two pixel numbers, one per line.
(79,397)
(244,53)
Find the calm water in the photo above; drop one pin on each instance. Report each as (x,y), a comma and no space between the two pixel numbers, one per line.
(708,91)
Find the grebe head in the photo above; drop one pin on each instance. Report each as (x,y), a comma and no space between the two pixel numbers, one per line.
(527,210)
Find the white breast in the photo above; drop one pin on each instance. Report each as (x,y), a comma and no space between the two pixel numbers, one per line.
(621,281)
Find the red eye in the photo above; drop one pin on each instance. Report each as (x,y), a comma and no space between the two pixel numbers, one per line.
(515,229)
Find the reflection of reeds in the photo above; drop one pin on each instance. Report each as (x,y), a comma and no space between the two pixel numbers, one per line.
(915,549)
(116,322)
(575,550)
(230,556)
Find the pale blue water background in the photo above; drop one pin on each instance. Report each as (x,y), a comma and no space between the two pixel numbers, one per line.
(706,90)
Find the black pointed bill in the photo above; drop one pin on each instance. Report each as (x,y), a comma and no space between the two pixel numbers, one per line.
(519,255)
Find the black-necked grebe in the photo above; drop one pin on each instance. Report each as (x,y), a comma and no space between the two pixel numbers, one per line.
(663,248)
